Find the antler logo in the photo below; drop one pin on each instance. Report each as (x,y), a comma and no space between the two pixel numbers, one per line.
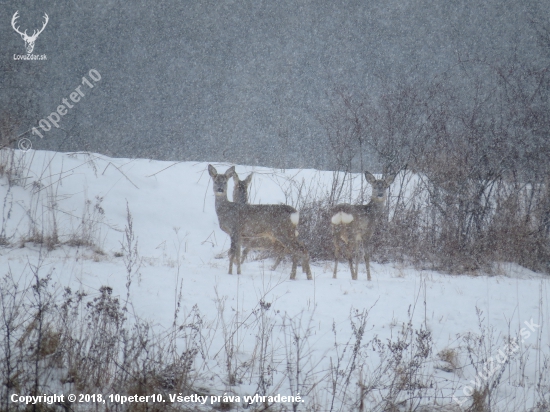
(29,40)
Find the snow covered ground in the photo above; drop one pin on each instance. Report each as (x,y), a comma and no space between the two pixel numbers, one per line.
(182,247)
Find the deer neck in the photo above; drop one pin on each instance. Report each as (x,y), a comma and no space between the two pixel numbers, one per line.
(227,213)
(376,204)
(222,202)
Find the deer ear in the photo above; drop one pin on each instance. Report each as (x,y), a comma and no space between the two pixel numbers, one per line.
(235,177)
(212,171)
(389,179)
(370,178)
(248,179)
(230,172)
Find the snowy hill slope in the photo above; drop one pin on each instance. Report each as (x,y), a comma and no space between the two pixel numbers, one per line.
(79,197)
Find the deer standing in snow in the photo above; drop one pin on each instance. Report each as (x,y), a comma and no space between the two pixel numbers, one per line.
(353,225)
(240,195)
(276,223)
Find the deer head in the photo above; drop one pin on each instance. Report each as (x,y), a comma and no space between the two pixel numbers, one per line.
(240,190)
(220,180)
(29,40)
(379,186)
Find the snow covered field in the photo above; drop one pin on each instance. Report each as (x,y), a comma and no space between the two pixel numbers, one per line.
(183,261)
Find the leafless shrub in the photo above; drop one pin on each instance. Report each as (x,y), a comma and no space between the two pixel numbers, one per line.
(480,158)
(73,343)
(88,231)
(449,357)
(234,370)
(344,365)
(315,229)
(77,343)
(130,254)
(301,367)
(7,131)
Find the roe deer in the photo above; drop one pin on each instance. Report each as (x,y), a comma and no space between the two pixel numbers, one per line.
(353,225)
(274,222)
(240,195)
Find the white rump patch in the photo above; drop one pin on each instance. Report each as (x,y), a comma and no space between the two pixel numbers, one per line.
(295,218)
(346,218)
(341,217)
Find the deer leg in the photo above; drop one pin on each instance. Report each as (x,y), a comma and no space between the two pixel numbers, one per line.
(336,255)
(367,257)
(238,253)
(301,262)
(302,249)
(293,271)
(367,263)
(353,254)
(358,257)
(305,259)
(296,249)
(353,274)
(304,255)
(277,261)
(232,253)
(244,254)
(279,250)
(294,246)
(305,266)
(286,244)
